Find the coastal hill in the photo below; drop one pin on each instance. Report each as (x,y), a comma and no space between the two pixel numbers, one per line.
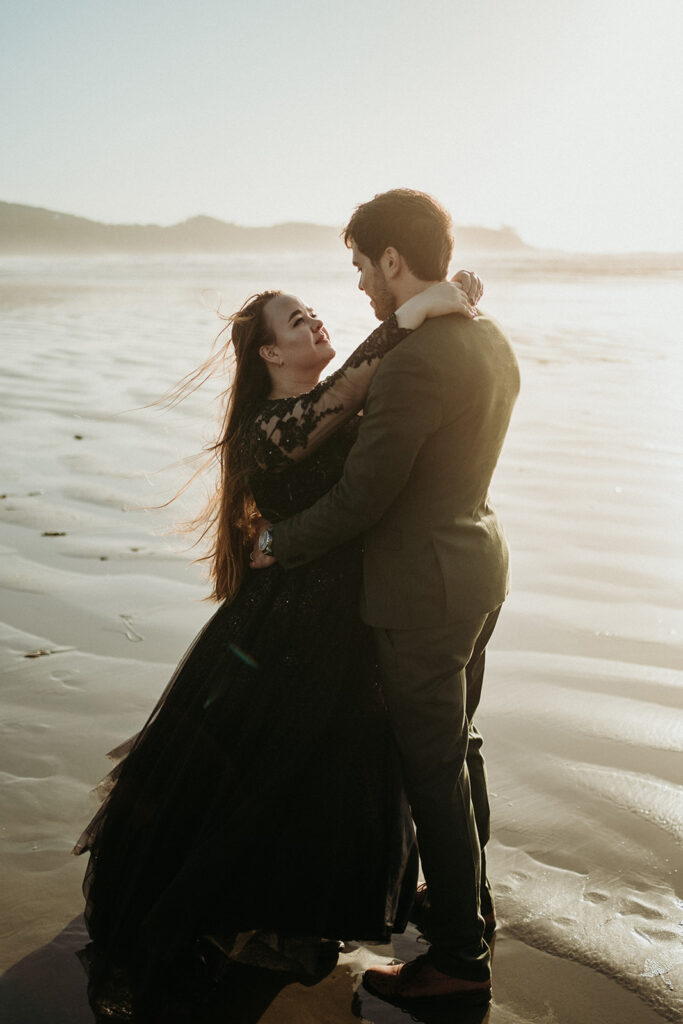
(31,230)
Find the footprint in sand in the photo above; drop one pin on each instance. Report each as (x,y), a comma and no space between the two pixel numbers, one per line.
(519,876)
(635,906)
(129,632)
(595,897)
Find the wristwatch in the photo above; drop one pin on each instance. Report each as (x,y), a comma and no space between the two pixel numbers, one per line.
(265,542)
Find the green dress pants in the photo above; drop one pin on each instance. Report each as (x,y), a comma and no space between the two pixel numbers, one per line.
(432,680)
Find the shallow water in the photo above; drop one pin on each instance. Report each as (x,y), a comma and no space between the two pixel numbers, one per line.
(582,708)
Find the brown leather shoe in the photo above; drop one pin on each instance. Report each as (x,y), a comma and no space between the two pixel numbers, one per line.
(419,979)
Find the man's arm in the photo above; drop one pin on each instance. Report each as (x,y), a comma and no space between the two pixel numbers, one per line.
(403,408)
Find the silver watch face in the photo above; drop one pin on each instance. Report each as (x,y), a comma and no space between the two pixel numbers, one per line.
(264,541)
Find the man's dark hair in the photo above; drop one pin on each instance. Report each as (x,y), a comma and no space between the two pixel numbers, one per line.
(411,222)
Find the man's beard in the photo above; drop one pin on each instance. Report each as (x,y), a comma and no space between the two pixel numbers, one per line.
(383,302)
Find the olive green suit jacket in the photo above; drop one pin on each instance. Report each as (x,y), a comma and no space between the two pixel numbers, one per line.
(416,482)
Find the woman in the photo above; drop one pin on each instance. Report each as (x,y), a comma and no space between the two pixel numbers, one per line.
(261,804)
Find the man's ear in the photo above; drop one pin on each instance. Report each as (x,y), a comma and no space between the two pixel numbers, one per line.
(271,355)
(391,262)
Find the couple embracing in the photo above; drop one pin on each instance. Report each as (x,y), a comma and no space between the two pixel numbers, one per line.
(265,811)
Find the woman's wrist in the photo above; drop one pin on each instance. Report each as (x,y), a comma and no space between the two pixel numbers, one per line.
(438,299)
(412,313)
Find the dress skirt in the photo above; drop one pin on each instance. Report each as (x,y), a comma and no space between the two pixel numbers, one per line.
(263,794)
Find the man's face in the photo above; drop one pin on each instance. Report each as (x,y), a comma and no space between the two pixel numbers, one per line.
(373,282)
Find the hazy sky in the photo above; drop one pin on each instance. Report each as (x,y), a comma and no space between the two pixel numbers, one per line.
(562,118)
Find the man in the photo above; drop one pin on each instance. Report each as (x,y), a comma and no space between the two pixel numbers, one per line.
(435,570)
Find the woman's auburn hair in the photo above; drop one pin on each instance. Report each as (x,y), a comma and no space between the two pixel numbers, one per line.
(230,513)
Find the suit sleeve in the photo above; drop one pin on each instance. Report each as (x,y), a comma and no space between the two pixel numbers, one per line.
(403,409)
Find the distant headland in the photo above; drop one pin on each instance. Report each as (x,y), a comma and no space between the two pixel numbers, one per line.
(31,230)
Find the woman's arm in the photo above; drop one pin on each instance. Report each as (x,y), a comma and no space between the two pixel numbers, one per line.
(289,429)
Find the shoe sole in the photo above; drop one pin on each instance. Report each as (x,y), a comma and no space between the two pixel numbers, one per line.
(472,997)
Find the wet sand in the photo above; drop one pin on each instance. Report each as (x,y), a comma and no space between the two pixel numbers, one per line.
(581,713)
(47,987)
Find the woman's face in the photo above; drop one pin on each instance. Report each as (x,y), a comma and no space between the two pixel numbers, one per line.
(301,341)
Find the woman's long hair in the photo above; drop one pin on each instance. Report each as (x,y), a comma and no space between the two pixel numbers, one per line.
(229,515)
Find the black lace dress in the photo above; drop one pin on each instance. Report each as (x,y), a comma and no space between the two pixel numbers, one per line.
(264,793)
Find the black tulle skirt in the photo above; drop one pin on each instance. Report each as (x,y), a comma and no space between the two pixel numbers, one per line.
(264,793)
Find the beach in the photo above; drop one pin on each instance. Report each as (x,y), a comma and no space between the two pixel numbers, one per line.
(582,707)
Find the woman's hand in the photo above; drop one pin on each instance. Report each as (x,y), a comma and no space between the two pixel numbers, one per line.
(437,300)
(472,285)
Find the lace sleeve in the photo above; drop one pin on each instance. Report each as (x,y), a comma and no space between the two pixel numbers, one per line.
(289,429)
